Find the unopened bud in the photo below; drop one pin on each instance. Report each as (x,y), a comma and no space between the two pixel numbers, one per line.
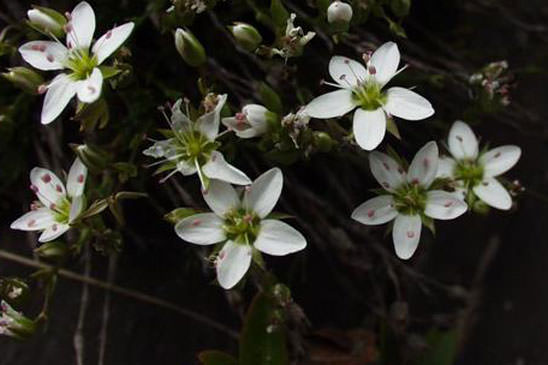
(339,12)
(323,141)
(190,48)
(246,35)
(25,79)
(53,250)
(46,20)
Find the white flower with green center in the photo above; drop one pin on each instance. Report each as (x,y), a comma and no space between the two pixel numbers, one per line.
(362,87)
(85,77)
(410,200)
(58,206)
(476,172)
(241,223)
(192,146)
(251,122)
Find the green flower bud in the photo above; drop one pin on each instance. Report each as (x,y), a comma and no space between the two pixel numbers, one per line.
(47,21)
(25,79)
(190,48)
(15,324)
(339,12)
(323,141)
(53,250)
(246,35)
(93,157)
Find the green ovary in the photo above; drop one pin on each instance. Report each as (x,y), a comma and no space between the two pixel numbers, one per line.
(194,146)
(369,96)
(241,226)
(410,199)
(62,211)
(469,171)
(81,64)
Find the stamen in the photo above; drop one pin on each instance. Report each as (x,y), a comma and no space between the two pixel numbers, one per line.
(372,70)
(42,89)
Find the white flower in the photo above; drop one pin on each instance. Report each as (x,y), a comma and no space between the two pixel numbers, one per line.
(361,87)
(477,171)
(409,200)
(251,122)
(193,149)
(242,223)
(58,206)
(84,78)
(339,11)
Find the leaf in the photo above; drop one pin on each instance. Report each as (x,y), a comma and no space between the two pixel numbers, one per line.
(442,348)
(214,357)
(270,99)
(392,127)
(92,115)
(97,207)
(279,15)
(109,71)
(262,340)
(429,223)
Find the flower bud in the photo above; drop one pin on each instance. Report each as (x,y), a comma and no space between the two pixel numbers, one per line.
(190,48)
(47,21)
(25,79)
(53,250)
(339,12)
(14,324)
(253,121)
(95,158)
(246,35)
(323,141)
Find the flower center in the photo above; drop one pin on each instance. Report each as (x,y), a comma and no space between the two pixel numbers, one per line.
(368,95)
(61,210)
(193,145)
(469,171)
(81,64)
(410,199)
(241,226)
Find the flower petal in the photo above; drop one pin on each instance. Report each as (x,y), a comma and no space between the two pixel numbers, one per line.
(278,238)
(263,194)
(346,72)
(331,105)
(444,205)
(76,180)
(369,127)
(111,41)
(462,141)
(186,168)
(53,231)
(47,186)
(378,210)
(232,263)
(82,26)
(35,220)
(218,168)
(446,167)
(492,193)
(89,89)
(242,130)
(407,104)
(208,123)
(406,235)
(201,229)
(221,197)
(60,90)
(499,160)
(44,55)
(386,170)
(385,60)
(424,167)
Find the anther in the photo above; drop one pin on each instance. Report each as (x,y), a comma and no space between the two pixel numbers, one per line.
(42,89)
(91,89)
(372,70)
(426,163)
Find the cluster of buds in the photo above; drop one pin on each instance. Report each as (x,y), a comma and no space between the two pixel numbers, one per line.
(291,44)
(14,324)
(494,81)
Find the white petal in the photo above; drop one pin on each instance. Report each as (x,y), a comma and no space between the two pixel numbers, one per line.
(386,170)
(201,229)
(221,197)
(369,127)
(424,167)
(444,205)
(76,207)
(111,40)
(44,55)
(89,89)
(218,168)
(378,210)
(76,180)
(232,263)
(53,231)
(242,130)
(446,167)
(186,168)
(499,160)
(278,238)
(263,194)
(47,186)
(331,105)
(35,220)
(209,123)
(493,193)
(407,104)
(60,91)
(462,141)
(82,26)
(346,72)
(385,60)
(406,235)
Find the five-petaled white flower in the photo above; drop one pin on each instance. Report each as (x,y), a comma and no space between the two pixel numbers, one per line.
(242,224)
(85,78)
(475,171)
(251,122)
(192,147)
(57,206)
(361,87)
(410,199)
